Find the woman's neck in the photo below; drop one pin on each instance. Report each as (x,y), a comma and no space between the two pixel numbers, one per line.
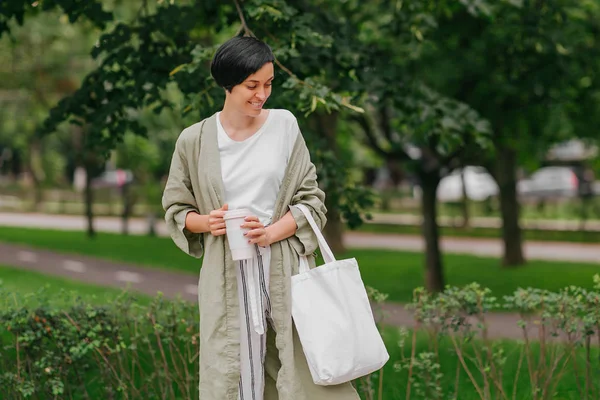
(239,126)
(237,121)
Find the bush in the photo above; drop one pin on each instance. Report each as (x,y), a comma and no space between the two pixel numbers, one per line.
(122,350)
(553,358)
(119,350)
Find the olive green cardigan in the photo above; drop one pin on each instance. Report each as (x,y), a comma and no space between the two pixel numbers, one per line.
(195,184)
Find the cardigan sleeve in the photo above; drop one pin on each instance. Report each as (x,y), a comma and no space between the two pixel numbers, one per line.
(178,200)
(308,193)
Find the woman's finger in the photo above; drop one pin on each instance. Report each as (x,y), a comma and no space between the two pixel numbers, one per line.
(216,214)
(251,234)
(255,240)
(252,225)
(215,220)
(251,218)
(255,233)
(218,232)
(218,225)
(261,241)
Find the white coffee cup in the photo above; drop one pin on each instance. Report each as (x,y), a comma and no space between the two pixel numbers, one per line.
(238,243)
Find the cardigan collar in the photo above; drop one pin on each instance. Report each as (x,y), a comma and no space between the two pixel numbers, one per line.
(210,145)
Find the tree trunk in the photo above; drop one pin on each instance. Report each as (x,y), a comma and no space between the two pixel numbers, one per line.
(464,203)
(334,230)
(506,176)
(36,172)
(586,205)
(16,165)
(126,209)
(151,224)
(434,276)
(586,196)
(89,202)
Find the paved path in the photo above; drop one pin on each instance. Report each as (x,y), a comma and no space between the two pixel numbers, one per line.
(551,251)
(150,281)
(100,272)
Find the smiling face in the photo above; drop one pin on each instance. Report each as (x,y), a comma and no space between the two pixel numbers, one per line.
(249,97)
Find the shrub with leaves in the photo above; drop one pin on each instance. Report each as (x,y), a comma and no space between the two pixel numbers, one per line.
(558,329)
(67,348)
(116,350)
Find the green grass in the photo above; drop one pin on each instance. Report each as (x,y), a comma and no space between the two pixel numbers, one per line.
(143,250)
(529,234)
(398,273)
(393,272)
(26,285)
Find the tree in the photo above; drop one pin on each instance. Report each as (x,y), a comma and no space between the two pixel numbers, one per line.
(517,65)
(405,120)
(138,60)
(149,160)
(327,73)
(431,136)
(55,31)
(35,76)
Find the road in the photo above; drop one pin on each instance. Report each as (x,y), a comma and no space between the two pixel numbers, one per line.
(550,251)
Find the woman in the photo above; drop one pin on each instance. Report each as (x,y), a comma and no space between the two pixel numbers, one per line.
(247,156)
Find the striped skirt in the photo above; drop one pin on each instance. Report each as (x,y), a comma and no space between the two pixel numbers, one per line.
(255,308)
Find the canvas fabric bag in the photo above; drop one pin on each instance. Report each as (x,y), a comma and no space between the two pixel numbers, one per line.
(333,317)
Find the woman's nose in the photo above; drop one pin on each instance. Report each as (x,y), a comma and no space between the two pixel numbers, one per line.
(260,94)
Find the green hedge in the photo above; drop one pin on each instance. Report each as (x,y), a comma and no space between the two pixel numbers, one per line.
(123,350)
(118,350)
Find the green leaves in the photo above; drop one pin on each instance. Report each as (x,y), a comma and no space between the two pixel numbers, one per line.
(439,122)
(16,10)
(526,56)
(275,10)
(136,61)
(64,352)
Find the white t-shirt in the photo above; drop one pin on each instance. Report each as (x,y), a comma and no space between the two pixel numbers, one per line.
(253,169)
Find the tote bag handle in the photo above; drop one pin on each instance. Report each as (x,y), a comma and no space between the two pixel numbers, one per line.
(325,249)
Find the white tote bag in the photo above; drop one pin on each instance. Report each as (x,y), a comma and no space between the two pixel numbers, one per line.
(331,310)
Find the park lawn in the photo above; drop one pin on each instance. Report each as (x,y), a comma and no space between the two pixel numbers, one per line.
(393,272)
(398,273)
(26,288)
(143,250)
(542,235)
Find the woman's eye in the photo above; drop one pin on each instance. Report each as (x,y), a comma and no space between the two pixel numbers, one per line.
(251,87)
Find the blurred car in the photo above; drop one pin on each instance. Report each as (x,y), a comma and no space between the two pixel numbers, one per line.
(113,178)
(550,182)
(480,185)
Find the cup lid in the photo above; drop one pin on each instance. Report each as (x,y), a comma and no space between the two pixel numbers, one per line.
(239,213)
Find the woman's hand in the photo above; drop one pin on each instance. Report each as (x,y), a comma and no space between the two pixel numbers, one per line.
(257,234)
(216,223)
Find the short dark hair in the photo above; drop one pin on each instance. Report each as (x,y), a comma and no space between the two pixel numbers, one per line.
(237,59)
